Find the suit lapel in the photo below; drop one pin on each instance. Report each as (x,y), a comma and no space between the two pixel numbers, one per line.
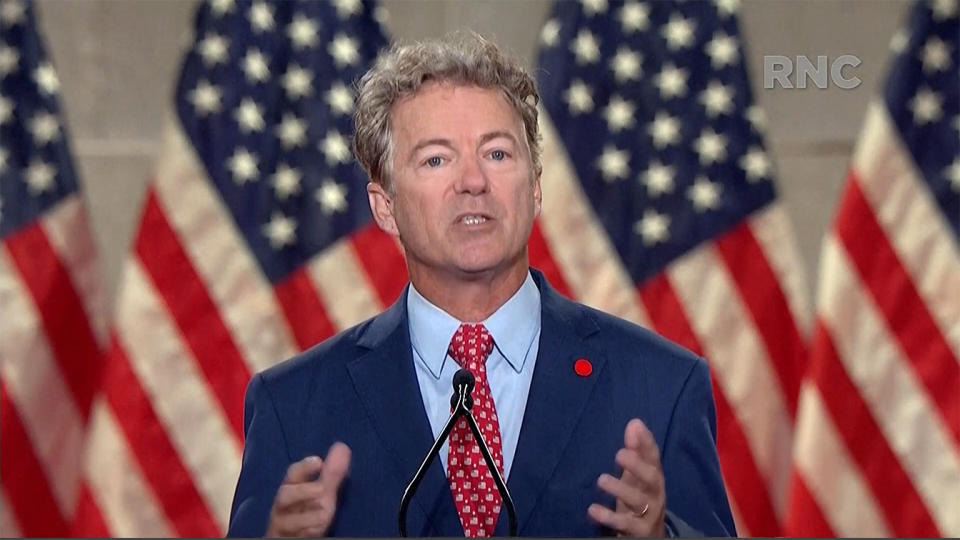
(556,400)
(386,381)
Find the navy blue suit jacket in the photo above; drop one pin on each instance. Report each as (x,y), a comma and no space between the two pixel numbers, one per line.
(359,387)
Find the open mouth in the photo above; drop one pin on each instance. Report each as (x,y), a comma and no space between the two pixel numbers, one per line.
(473,219)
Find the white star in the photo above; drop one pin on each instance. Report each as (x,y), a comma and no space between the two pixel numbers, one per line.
(585,47)
(550,33)
(302,32)
(261,17)
(634,16)
(340,99)
(717,99)
(297,82)
(334,146)
(927,106)
(625,65)
(331,196)
(672,81)
(704,194)
(665,130)
(39,176)
(723,50)
(292,131)
(943,9)
(935,55)
(6,110)
(756,117)
(44,128)
(727,8)
(659,179)
(3,159)
(653,228)
(285,181)
(249,116)
(899,41)
(243,165)
(594,7)
(344,50)
(281,230)
(381,15)
(205,98)
(11,12)
(952,173)
(613,163)
(756,164)
(214,49)
(347,8)
(46,79)
(619,114)
(222,7)
(9,58)
(580,97)
(255,66)
(678,32)
(711,147)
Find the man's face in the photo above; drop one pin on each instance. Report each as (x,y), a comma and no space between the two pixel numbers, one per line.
(464,191)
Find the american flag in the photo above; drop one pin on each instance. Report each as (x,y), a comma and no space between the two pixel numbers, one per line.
(660,206)
(51,326)
(254,243)
(878,429)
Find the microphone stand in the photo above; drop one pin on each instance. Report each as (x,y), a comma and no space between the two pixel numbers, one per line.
(462,403)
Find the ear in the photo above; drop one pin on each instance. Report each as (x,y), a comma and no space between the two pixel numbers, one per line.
(537,196)
(381,205)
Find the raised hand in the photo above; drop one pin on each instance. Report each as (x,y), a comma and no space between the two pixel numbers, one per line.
(306,502)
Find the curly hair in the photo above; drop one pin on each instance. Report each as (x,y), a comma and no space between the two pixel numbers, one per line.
(462,59)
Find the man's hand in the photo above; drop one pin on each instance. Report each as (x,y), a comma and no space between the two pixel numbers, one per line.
(640,492)
(305,506)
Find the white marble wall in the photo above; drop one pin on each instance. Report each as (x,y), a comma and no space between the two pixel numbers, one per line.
(117,61)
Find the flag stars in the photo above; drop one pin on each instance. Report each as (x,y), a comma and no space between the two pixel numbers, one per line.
(594,7)
(585,47)
(943,9)
(704,194)
(665,130)
(292,131)
(927,106)
(39,177)
(756,164)
(619,114)
(672,81)
(347,8)
(9,60)
(205,98)
(280,230)
(935,55)
(727,8)
(46,79)
(302,32)
(332,197)
(334,146)
(579,97)
(261,17)
(344,50)
(653,228)
(722,50)
(45,128)
(255,66)
(243,165)
(658,178)
(711,147)
(952,172)
(634,16)
(550,33)
(756,117)
(625,65)
(297,82)
(12,12)
(340,99)
(214,49)
(613,163)
(222,7)
(717,99)
(249,116)
(679,32)
(285,181)
(899,41)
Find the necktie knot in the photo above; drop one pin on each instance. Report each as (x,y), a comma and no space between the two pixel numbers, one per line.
(470,346)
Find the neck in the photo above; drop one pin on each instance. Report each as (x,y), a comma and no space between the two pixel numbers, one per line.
(469,298)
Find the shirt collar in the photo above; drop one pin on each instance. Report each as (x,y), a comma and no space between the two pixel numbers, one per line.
(513,327)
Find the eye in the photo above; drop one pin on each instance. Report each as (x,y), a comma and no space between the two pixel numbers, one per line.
(434,161)
(498,155)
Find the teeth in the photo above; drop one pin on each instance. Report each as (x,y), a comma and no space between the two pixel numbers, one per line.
(474,220)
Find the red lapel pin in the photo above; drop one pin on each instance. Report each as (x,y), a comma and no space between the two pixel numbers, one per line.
(583,367)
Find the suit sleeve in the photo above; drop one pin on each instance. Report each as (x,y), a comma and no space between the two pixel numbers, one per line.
(696,499)
(265,461)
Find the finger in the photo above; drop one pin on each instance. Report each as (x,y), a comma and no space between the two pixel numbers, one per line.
(306,522)
(625,493)
(303,470)
(639,472)
(638,437)
(291,497)
(617,521)
(335,468)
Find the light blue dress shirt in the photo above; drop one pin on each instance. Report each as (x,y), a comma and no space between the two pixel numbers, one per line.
(515,329)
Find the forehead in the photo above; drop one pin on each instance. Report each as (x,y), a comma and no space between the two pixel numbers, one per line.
(443,109)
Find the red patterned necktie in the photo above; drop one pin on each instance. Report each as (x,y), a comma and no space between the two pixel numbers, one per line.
(474,492)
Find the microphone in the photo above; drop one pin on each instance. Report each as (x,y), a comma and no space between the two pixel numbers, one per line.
(462,404)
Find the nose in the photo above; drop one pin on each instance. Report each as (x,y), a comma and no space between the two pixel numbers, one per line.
(472,178)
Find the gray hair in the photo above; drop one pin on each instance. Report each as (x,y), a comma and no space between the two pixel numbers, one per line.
(463,59)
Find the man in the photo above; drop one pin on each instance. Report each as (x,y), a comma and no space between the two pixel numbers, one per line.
(598,426)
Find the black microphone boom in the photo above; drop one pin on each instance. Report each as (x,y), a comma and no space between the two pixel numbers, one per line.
(462,404)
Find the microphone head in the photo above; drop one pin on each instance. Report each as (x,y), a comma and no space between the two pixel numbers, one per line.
(463,378)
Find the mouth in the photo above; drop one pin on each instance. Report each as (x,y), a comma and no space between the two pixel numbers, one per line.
(472,219)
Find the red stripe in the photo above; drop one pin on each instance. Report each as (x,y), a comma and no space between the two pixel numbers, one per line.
(897,298)
(29,492)
(760,291)
(61,311)
(744,481)
(195,313)
(160,464)
(805,518)
(304,312)
(383,262)
(906,512)
(89,522)
(542,259)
